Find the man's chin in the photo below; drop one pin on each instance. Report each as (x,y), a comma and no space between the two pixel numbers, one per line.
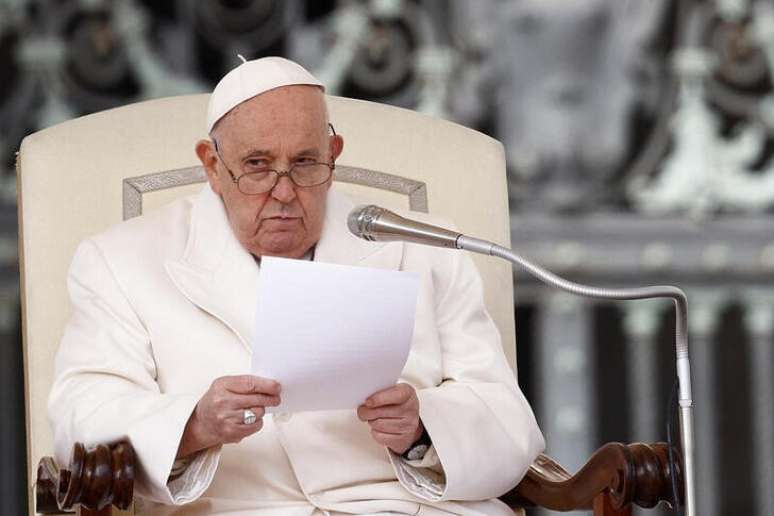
(285,244)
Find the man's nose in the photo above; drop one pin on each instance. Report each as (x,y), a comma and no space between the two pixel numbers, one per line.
(285,190)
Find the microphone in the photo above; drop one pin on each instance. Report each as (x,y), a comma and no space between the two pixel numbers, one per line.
(373,223)
(376,224)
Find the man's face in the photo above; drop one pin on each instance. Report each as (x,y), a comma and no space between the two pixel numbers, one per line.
(276,129)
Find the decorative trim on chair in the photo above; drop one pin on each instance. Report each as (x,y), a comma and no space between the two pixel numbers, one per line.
(415,190)
(135,187)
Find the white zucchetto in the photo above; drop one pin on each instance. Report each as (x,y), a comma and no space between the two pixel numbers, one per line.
(252,78)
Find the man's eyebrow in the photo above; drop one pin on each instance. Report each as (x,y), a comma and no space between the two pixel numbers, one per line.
(311,151)
(256,152)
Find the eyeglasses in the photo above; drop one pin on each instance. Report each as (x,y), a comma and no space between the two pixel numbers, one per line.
(303,174)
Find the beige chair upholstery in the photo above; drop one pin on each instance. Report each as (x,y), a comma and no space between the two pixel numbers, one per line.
(79,177)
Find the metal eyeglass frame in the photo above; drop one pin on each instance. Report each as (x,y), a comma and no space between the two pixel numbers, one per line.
(277,173)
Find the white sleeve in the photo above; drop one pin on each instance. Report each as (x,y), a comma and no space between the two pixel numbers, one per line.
(105,386)
(482,428)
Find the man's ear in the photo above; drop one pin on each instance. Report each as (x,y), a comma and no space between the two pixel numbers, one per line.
(205,150)
(337,145)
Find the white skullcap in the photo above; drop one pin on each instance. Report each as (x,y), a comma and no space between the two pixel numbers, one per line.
(252,78)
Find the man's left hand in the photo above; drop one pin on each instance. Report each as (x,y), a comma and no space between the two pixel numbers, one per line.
(393,415)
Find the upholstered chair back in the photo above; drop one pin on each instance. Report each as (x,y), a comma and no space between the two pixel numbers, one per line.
(77,178)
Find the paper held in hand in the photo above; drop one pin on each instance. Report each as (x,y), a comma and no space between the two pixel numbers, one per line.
(332,335)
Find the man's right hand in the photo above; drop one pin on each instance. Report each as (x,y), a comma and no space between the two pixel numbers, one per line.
(218,417)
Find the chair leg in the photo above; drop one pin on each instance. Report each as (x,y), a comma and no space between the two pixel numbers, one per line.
(604,507)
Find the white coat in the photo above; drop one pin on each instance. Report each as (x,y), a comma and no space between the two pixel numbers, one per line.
(163,304)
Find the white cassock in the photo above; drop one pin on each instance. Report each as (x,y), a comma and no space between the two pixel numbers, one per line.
(164,303)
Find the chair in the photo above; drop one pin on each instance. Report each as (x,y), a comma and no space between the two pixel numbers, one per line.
(79,177)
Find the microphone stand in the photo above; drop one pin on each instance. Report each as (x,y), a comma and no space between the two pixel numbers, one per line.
(681,337)
(374,223)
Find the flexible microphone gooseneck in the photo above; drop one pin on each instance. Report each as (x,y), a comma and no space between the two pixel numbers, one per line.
(378,224)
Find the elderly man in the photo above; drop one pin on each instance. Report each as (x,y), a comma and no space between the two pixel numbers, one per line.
(158,345)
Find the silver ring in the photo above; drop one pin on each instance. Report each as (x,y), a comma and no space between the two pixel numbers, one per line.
(248,417)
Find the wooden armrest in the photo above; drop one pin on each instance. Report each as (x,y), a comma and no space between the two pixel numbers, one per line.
(94,480)
(615,477)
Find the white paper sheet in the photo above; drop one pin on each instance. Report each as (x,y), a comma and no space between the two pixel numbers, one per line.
(332,335)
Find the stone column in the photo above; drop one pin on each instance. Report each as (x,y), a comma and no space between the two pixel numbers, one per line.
(641,323)
(759,322)
(13,471)
(704,310)
(566,409)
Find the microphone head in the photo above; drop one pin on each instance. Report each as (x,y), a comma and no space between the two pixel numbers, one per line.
(376,224)
(361,218)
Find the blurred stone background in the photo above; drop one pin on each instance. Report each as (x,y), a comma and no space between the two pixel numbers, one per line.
(639,142)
